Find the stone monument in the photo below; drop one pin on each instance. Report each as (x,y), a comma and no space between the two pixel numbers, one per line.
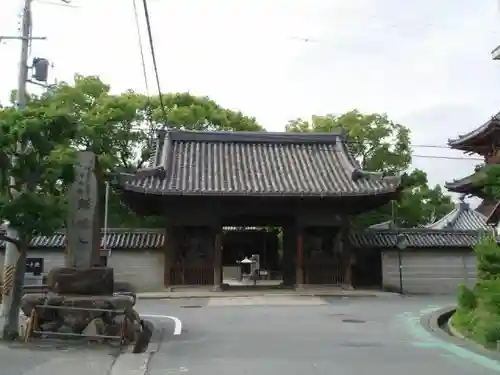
(82,301)
(83,228)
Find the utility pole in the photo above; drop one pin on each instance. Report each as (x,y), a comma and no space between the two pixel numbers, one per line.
(12,253)
(14,263)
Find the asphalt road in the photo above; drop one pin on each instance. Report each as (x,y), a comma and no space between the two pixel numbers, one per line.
(306,335)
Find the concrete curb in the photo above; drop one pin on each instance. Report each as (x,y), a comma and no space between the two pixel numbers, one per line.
(128,363)
(234,295)
(434,322)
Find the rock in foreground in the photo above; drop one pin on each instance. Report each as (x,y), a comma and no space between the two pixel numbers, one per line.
(93,281)
(73,314)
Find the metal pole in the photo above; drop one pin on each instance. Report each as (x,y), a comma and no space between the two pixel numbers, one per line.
(106,211)
(12,253)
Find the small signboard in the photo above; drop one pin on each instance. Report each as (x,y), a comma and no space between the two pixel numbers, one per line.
(34,266)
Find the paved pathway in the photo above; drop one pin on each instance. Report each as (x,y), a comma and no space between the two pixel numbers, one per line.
(48,360)
(45,358)
(341,336)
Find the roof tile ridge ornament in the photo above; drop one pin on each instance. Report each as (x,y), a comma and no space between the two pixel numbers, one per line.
(161,133)
(344,134)
(462,205)
(358,174)
(120,178)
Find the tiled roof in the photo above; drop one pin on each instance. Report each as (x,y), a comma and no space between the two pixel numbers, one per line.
(115,239)
(416,238)
(370,238)
(465,141)
(494,215)
(467,185)
(257,163)
(462,217)
(487,206)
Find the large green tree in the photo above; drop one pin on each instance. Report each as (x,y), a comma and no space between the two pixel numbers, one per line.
(120,128)
(36,167)
(380,144)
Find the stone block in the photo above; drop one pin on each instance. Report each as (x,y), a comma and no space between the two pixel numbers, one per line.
(96,281)
(74,317)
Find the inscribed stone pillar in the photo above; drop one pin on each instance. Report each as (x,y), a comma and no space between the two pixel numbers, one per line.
(83,224)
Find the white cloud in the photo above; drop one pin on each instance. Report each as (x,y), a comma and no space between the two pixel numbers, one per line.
(425,63)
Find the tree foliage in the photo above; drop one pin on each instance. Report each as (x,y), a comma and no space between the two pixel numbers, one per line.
(120,127)
(36,167)
(379,144)
(35,149)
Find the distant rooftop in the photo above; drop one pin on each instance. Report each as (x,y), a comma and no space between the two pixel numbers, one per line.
(462,217)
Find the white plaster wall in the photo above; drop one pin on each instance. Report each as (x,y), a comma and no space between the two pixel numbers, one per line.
(142,268)
(429,271)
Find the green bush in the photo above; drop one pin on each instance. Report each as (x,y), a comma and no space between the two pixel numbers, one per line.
(466,298)
(478,312)
(488,259)
(464,320)
(487,330)
(488,295)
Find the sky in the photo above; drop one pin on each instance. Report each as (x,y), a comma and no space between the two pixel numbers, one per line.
(425,63)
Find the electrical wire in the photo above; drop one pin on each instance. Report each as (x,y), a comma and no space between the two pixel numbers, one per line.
(411,146)
(155,65)
(145,74)
(141,47)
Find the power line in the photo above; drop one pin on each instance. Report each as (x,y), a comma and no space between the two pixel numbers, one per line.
(155,65)
(141,48)
(144,72)
(446,157)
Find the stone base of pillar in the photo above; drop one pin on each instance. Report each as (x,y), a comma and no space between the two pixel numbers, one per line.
(217,288)
(299,287)
(347,287)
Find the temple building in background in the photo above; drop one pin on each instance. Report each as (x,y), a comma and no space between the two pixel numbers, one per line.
(306,184)
(484,141)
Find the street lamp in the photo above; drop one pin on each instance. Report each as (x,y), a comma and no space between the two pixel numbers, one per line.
(401,244)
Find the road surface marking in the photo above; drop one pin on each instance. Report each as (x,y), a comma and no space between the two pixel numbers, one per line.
(177,321)
(266,301)
(426,340)
(176,370)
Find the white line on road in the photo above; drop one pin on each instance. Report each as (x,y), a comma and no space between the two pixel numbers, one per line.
(177,321)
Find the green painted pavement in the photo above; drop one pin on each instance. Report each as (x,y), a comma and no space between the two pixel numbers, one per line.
(425,340)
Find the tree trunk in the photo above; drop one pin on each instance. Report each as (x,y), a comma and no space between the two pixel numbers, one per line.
(11,325)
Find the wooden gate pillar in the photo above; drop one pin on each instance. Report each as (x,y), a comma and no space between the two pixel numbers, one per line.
(299,270)
(218,260)
(347,254)
(169,250)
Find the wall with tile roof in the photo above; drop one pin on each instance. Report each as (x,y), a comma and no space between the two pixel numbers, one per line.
(137,257)
(429,272)
(133,239)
